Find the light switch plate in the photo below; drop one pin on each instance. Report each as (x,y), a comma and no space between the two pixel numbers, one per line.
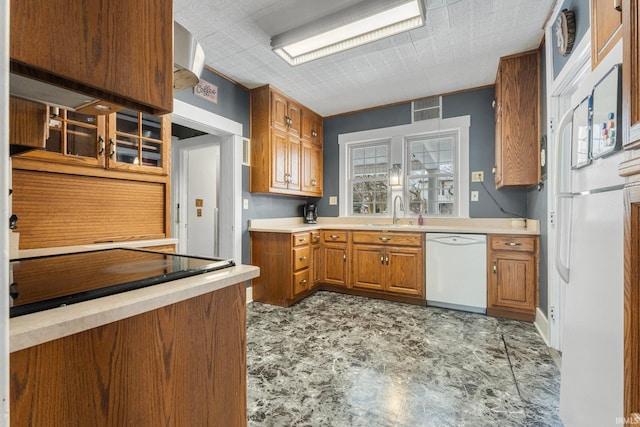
(333,200)
(245,204)
(474,196)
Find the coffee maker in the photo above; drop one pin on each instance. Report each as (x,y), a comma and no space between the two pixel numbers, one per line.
(310,213)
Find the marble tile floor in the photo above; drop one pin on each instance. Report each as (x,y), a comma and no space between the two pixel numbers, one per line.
(339,360)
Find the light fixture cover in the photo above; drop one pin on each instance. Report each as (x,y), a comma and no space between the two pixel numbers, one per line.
(362,23)
(394,176)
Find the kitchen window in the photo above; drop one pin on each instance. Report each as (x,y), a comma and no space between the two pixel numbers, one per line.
(369,178)
(431,174)
(433,156)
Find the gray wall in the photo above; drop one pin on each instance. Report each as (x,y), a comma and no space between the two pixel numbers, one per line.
(477,104)
(583,22)
(233,100)
(537,197)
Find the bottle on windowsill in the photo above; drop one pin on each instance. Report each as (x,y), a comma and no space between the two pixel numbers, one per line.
(420,220)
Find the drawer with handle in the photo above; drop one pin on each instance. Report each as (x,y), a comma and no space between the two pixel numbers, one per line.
(300,281)
(513,243)
(301,257)
(301,239)
(403,239)
(335,236)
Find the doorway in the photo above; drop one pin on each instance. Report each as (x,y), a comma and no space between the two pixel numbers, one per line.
(206,170)
(196,201)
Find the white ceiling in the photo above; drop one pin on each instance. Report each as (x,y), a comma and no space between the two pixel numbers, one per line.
(457,49)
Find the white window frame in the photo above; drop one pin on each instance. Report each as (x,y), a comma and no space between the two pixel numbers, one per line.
(350,167)
(456,178)
(397,135)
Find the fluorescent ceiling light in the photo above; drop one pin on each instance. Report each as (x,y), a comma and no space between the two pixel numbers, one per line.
(297,49)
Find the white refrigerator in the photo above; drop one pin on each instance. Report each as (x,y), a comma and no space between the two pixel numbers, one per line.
(589,258)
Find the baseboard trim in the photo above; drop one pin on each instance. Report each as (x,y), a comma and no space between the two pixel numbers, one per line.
(249,294)
(542,325)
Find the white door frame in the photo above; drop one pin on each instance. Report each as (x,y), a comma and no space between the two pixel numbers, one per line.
(179,188)
(230,132)
(558,101)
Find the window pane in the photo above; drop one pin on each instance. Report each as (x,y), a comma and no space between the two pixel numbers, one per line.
(369,178)
(151,126)
(151,154)
(81,141)
(431,187)
(127,122)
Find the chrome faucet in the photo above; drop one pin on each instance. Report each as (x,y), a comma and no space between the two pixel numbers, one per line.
(395,216)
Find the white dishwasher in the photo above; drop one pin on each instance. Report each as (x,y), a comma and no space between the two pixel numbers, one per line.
(456,271)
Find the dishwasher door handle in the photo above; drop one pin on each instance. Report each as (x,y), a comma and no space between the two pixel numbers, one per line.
(455,240)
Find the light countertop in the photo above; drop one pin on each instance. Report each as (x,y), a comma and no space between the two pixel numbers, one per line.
(36,328)
(437,225)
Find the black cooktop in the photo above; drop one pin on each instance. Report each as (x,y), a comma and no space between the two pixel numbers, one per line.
(42,283)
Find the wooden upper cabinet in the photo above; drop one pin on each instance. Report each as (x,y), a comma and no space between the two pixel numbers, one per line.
(606,29)
(312,169)
(138,142)
(127,141)
(279,111)
(517,159)
(311,127)
(631,71)
(27,125)
(118,51)
(281,161)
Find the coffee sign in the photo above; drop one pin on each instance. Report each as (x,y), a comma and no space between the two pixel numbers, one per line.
(207,91)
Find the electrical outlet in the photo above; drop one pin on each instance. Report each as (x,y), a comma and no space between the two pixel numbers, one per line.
(245,204)
(333,200)
(477,176)
(474,196)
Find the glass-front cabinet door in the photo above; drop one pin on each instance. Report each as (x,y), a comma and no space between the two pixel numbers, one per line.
(74,138)
(136,142)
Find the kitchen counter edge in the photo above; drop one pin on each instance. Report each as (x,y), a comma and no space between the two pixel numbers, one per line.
(296,228)
(37,328)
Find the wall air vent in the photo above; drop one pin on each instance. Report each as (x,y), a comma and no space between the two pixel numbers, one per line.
(426,108)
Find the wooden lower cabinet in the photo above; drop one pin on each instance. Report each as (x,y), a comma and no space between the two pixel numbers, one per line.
(391,269)
(179,365)
(388,265)
(335,256)
(368,270)
(316,259)
(286,267)
(512,276)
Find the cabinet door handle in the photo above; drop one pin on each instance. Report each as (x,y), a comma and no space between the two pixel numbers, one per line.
(387,259)
(313,182)
(316,237)
(382,259)
(112,148)
(384,239)
(303,281)
(101,146)
(314,133)
(334,236)
(495,267)
(302,239)
(302,258)
(512,244)
(344,256)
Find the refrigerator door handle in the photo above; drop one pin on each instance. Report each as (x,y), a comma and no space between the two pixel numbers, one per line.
(563,269)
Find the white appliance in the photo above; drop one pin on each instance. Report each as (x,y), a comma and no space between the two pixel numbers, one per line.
(589,258)
(456,271)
